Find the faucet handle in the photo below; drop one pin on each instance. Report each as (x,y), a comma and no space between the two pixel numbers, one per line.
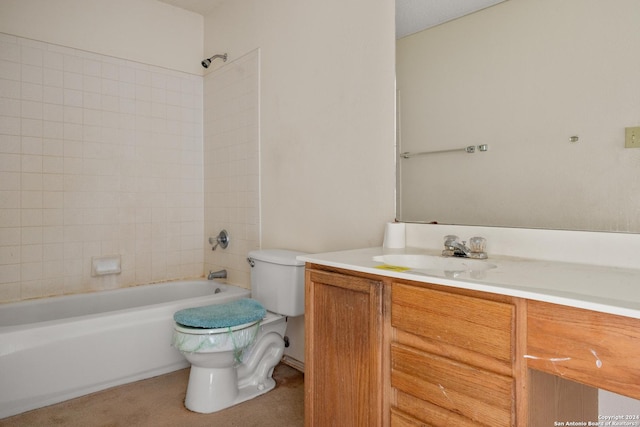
(478,246)
(450,238)
(222,240)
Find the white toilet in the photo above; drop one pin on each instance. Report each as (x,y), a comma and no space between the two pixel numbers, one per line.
(234,347)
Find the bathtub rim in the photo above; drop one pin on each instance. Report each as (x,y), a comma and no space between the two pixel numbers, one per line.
(30,302)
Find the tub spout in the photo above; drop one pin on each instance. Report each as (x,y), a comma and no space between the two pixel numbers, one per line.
(222,274)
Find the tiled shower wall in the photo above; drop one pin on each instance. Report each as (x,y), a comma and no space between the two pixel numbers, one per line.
(231,153)
(98,156)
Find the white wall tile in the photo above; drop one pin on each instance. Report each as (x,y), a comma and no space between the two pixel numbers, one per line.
(31,236)
(10,51)
(54,113)
(31,74)
(53,60)
(231,173)
(53,77)
(10,162)
(9,89)
(9,274)
(10,125)
(97,155)
(10,107)
(72,63)
(32,109)
(9,181)
(72,97)
(10,70)
(10,255)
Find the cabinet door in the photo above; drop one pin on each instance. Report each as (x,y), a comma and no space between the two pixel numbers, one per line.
(343,357)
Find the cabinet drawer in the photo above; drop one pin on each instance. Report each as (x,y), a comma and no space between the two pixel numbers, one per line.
(475,324)
(416,412)
(401,420)
(481,396)
(586,346)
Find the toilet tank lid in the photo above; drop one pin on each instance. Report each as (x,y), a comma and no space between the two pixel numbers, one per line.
(277,256)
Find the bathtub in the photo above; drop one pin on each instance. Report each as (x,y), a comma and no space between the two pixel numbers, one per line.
(58,348)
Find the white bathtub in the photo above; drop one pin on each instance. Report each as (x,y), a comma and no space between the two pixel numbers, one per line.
(59,348)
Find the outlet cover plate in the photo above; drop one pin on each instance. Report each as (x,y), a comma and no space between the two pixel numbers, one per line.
(632,137)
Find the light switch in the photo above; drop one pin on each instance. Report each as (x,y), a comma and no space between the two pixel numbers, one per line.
(632,137)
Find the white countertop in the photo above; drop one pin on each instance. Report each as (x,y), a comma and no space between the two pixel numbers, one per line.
(614,290)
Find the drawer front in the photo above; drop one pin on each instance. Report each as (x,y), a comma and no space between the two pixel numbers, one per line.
(586,346)
(401,420)
(478,395)
(416,412)
(474,324)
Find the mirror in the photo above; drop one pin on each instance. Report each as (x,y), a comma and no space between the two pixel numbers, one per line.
(549,87)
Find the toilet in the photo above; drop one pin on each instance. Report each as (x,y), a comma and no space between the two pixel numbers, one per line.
(234,347)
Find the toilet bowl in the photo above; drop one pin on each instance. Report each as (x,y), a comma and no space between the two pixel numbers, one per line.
(230,365)
(234,347)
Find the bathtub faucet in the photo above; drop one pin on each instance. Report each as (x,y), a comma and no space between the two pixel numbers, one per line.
(222,274)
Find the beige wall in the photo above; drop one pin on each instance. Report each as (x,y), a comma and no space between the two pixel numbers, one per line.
(146,31)
(523,77)
(326,116)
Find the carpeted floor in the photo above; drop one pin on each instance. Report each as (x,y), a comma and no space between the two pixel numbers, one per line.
(159,402)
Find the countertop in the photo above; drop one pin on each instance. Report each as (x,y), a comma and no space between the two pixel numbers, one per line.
(613,290)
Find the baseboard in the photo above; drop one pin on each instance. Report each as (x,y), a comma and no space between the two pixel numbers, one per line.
(295,364)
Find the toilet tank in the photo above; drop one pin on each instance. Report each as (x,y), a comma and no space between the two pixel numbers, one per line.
(277,280)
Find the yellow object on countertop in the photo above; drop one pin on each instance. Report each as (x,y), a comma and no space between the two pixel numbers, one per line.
(393,268)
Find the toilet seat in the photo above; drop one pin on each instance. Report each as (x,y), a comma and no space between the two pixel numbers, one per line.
(218,316)
(190,330)
(193,340)
(199,340)
(219,327)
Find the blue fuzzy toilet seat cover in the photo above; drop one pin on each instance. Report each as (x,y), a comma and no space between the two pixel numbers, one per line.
(226,315)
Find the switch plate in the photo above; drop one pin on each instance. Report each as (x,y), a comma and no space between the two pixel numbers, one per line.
(632,137)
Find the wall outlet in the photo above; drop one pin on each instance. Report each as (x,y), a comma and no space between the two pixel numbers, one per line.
(632,137)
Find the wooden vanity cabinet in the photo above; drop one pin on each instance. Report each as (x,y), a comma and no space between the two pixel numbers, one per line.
(344,350)
(382,351)
(385,352)
(452,357)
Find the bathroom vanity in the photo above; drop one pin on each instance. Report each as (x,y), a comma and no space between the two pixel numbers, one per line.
(515,345)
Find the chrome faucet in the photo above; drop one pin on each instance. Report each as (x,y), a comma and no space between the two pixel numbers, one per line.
(222,274)
(452,247)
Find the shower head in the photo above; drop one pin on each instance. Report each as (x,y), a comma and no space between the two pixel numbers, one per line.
(206,62)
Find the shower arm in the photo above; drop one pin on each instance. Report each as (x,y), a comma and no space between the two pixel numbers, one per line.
(206,62)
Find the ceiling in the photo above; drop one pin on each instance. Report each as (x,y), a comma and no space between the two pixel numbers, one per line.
(411,15)
(203,7)
(416,15)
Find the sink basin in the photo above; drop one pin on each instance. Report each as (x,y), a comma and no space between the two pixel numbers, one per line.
(431,262)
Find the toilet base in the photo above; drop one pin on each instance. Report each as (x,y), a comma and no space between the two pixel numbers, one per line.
(211,390)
